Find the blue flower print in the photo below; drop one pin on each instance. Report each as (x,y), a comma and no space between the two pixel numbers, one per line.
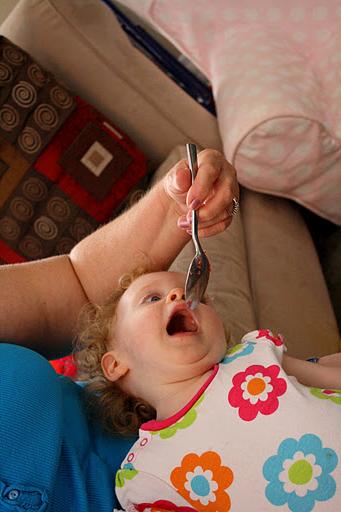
(240,350)
(299,474)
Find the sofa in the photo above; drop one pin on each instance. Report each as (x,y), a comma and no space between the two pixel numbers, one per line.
(265,270)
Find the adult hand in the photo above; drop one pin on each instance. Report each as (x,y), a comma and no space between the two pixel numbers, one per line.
(211,193)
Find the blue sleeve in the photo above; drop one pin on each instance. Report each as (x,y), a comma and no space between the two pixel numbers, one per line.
(51,456)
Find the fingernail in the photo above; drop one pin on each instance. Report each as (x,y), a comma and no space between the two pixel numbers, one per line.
(182,223)
(195,204)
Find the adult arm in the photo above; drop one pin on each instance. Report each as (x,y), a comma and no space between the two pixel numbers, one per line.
(40,301)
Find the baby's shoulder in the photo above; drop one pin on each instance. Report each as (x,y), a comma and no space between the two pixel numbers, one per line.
(263,336)
(257,344)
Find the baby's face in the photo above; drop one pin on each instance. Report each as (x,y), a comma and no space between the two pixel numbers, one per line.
(159,337)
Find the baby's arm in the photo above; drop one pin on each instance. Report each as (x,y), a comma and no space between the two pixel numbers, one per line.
(324,374)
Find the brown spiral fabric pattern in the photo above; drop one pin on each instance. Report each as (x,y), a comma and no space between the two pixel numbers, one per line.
(34,189)
(24,94)
(33,105)
(9,118)
(21,208)
(64,245)
(80,229)
(45,228)
(6,73)
(9,228)
(13,55)
(29,140)
(49,199)
(60,97)
(36,75)
(31,247)
(46,117)
(58,209)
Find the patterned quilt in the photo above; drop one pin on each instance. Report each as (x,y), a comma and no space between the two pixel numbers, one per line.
(64,167)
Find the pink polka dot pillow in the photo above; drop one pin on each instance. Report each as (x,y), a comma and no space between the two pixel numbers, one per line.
(275,69)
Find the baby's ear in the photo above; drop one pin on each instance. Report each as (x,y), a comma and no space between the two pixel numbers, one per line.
(113,370)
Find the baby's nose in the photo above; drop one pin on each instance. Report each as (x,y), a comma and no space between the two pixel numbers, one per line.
(175,294)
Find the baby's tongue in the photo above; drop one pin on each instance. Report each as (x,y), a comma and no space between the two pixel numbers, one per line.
(181,322)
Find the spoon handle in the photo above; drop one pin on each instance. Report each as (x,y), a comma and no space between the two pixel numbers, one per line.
(192,159)
(193,166)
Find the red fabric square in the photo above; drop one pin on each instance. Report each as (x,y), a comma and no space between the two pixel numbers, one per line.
(49,163)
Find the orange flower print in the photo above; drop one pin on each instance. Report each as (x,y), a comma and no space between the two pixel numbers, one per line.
(256,390)
(202,481)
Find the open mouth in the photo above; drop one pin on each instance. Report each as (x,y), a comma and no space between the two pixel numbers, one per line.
(182,322)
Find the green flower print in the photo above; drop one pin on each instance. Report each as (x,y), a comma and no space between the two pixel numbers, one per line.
(185,422)
(128,472)
(230,351)
(334,395)
(240,350)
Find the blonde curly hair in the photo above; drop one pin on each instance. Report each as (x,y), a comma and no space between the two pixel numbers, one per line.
(118,411)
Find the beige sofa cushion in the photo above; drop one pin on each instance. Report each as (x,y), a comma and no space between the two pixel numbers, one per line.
(229,280)
(288,287)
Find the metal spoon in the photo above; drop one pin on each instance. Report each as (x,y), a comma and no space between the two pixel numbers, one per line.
(199,269)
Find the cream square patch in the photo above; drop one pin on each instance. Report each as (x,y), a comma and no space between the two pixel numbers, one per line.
(96,158)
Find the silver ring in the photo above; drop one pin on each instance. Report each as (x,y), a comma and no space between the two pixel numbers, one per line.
(235,208)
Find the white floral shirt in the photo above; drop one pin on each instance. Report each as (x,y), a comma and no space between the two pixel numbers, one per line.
(252,438)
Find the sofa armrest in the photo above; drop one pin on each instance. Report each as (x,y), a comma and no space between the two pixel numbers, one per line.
(288,287)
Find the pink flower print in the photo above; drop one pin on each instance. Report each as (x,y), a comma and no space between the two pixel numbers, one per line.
(256,390)
(162,506)
(266,333)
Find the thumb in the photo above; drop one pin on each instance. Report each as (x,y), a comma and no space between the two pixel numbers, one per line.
(178,182)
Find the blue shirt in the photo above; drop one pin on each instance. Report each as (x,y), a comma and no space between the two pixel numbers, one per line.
(52,456)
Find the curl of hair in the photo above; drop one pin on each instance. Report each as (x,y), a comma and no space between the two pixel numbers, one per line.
(118,411)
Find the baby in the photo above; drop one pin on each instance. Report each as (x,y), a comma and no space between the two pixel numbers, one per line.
(248,427)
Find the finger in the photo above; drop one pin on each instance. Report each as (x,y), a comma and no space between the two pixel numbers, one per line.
(214,229)
(223,217)
(178,181)
(210,165)
(225,190)
(221,203)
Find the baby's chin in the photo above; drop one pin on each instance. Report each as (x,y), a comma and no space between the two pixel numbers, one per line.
(207,363)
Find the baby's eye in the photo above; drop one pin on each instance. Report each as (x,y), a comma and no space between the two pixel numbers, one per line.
(152,298)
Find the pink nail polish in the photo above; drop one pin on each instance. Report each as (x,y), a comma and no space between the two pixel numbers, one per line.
(183,224)
(195,204)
